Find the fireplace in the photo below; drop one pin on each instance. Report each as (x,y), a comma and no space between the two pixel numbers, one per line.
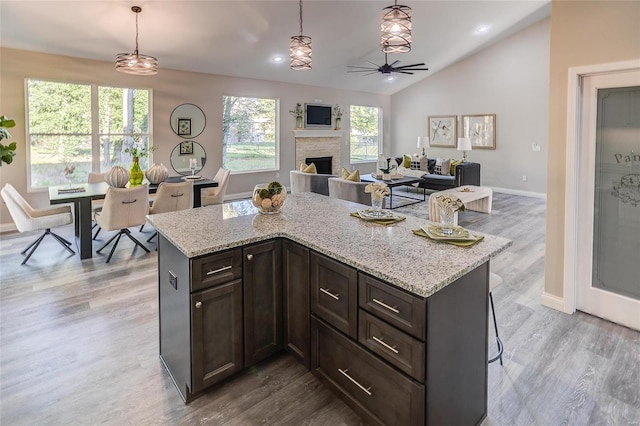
(323,164)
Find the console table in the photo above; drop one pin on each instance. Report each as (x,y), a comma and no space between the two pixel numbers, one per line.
(398,331)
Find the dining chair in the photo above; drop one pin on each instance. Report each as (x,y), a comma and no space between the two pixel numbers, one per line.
(216,195)
(171,197)
(123,208)
(494,281)
(96,205)
(28,219)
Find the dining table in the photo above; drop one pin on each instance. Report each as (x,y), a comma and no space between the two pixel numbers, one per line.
(81,195)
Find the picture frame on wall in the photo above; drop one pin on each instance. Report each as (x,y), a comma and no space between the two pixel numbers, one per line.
(443,130)
(184,127)
(481,129)
(186,148)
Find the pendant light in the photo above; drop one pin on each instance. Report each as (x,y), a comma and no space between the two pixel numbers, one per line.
(135,63)
(396,29)
(300,49)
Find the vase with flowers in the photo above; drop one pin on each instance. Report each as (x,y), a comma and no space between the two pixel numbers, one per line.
(298,113)
(378,191)
(448,205)
(137,149)
(337,113)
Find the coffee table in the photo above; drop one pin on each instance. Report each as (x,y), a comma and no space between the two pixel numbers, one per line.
(476,198)
(393,183)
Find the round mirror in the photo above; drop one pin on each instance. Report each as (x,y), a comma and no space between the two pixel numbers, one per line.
(188,121)
(185,154)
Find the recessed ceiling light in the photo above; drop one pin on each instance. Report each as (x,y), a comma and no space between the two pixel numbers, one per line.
(277,59)
(482,29)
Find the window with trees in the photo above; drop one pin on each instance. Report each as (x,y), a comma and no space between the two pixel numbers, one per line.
(249,134)
(365,130)
(86,126)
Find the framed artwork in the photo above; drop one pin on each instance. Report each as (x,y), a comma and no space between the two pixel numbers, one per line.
(186,148)
(481,129)
(443,130)
(184,127)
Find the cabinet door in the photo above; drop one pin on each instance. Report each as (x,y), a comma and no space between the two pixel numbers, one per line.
(295,265)
(216,334)
(262,274)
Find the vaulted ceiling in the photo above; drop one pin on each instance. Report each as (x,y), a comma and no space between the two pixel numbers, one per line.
(241,38)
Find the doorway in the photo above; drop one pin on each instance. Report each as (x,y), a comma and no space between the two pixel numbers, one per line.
(607,213)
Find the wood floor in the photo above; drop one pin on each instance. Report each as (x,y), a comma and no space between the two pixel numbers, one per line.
(79,346)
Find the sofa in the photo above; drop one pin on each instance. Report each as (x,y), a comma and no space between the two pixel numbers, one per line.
(350,191)
(466,173)
(309,182)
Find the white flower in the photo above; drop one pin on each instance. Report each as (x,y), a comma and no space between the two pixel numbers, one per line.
(377,189)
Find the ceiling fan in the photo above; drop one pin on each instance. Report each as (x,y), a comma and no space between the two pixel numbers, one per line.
(387,69)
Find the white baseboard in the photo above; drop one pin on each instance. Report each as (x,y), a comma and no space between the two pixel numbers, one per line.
(553,302)
(518,192)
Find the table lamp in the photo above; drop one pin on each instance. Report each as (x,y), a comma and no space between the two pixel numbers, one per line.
(423,141)
(464,145)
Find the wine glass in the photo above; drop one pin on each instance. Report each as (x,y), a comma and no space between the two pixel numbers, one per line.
(193,165)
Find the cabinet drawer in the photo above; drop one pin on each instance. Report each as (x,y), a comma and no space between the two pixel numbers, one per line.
(334,291)
(398,308)
(400,349)
(376,390)
(216,269)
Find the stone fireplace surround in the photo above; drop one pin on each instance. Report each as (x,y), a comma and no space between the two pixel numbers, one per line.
(319,143)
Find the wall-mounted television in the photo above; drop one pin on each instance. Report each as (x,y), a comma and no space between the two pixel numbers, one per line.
(317,116)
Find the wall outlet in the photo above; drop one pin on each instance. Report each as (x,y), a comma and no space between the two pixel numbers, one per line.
(524,178)
(535,146)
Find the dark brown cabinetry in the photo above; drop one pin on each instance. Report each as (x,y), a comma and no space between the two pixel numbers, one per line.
(295,282)
(262,274)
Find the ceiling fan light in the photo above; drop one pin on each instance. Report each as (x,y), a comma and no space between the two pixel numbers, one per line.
(396,29)
(300,53)
(135,63)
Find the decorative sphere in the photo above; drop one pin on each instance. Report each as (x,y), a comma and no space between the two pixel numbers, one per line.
(269,197)
(117,177)
(157,173)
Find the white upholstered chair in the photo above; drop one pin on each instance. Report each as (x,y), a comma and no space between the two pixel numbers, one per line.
(216,195)
(309,182)
(96,205)
(28,219)
(171,197)
(350,191)
(122,209)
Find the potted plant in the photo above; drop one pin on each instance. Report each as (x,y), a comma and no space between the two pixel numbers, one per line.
(298,112)
(6,151)
(137,149)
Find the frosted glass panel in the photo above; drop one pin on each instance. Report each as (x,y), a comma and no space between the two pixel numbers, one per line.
(616,242)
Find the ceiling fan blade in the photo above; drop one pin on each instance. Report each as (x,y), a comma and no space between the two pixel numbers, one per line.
(366,70)
(362,68)
(394,62)
(412,65)
(411,69)
(403,72)
(375,65)
(373,72)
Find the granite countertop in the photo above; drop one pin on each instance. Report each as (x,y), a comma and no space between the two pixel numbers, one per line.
(392,253)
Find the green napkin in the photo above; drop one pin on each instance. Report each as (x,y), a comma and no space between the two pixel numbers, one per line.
(477,239)
(385,222)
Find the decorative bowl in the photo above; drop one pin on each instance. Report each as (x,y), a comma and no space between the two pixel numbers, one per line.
(269,197)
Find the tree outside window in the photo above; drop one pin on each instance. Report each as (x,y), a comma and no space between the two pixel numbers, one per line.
(62,132)
(364,133)
(250,139)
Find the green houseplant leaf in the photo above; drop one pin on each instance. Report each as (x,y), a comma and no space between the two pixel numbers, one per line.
(7,152)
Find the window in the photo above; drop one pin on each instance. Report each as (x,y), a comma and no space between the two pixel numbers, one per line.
(365,140)
(249,134)
(82,125)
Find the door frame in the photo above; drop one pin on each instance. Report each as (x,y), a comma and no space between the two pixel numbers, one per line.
(572,187)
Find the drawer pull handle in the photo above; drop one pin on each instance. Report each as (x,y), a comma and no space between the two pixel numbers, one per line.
(381,303)
(328,293)
(198,305)
(215,271)
(249,257)
(391,348)
(365,390)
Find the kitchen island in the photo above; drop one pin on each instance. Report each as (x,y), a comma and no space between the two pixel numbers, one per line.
(394,323)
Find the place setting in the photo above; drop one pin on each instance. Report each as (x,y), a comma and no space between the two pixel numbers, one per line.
(456,235)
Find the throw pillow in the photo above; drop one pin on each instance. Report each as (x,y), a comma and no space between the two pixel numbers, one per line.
(446,167)
(424,163)
(353,176)
(454,163)
(311,168)
(406,161)
(437,170)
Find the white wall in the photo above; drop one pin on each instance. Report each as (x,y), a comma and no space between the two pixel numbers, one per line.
(170,89)
(509,79)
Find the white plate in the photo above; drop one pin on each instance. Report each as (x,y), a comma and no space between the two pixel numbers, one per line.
(195,177)
(369,214)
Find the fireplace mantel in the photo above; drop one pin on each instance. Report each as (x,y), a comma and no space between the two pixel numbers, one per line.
(318,133)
